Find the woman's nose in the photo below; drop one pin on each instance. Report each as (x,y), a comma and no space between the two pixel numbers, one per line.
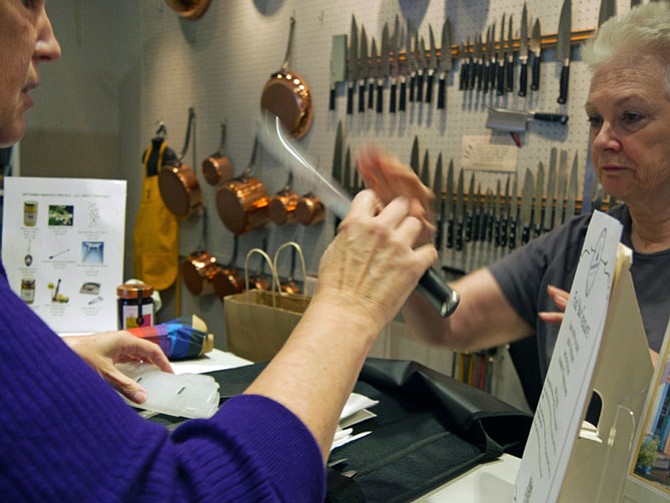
(47,47)
(605,137)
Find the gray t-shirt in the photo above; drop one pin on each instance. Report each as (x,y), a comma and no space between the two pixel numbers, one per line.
(552,259)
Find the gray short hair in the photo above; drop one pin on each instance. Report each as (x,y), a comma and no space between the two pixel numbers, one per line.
(644,30)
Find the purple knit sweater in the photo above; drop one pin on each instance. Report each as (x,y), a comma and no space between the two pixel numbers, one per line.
(65,435)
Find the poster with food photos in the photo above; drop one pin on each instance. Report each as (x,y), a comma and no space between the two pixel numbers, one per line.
(62,248)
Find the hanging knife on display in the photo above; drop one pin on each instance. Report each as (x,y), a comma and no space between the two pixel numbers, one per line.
(523,52)
(432,65)
(470,212)
(477,65)
(509,68)
(562,187)
(572,191)
(439,206)
(411,60)
(414,156)
(272,135)
(449,205)
(458,212)
(537,209)
(444,65)
(607,10)
(352,65)
(363,70)
(373,73)
(494,54)
(488,58)
(384,68)
(394,64)
(563,47)
(464,78)
(504,223)
(425,169)
(337,162)
(500,86)
(513,218)
(346,179)
(526,206)
(421,66)
(547,218)
(497,216)
(536,49)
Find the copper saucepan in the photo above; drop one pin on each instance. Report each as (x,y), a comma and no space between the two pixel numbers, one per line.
(310,210)
(228,280)
(218,167)
(282,206)
(199,271)
(287,96)
(189,9)
(243,201)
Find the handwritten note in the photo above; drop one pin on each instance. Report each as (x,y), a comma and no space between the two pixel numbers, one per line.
(567,387)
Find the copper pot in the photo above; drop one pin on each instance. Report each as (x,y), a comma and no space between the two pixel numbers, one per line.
(310,210)
(242,204)
(217,167)
(282,207)
(179,190)
(199,271)
(287,96)
(228,281)
(189,9)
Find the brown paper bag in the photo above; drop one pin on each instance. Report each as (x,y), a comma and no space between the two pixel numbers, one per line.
(258,322)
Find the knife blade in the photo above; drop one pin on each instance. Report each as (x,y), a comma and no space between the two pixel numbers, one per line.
(523,52)
(410,52)
(445,65)
(497,216)
(458,212)
(394,64)
(384,67)
(536,49)
(490,64)
(486,61)
(414,156)
(572,191)
(558,203)
(464,78)
(346,179)
(547,219)
(607,10)
(439,205)
(363,70)
(477,64)
(539,192)
(470,210)
(526,205)
(478,214)
(513,217)
(449,204)
(509,68)
(425,169)
(421,67)
(432,65)
(352,65)
(337,161)
(504,223)
(500,87)
(277,141)
(373,74)
(563,47)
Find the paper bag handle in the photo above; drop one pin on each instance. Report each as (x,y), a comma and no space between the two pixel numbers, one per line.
(275,279)
(302,263)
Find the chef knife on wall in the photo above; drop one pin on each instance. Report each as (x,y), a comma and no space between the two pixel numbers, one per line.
(384,68)
(536,50)
(563,49)
(509,64)
(432,65)
(523,52)
(526,205)
(363,70)
(352,65)
(444,65)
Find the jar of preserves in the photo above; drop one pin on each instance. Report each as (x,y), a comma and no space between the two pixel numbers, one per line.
(135,305)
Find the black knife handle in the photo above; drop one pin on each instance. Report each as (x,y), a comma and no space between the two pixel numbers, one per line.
(503,232)
(500,90)
(402,101)
(474,70)
(380,97)
(480,76)
(393,97)
(331,98)
(458,240)
(512,233)
(412,86)
(429,88)
(419,87)
(468,228)
(464,77)
(361,97)
(509,73)
(476,224)
(493,70)
(497,229)
(535,84)
(525,234)
(437,292)
(565,78)
(450,233)
(350,99)
(371,97)
(523,79)
(538,230)
(486,69)
(483,227)
(547,117)
(489,228)
(441,92)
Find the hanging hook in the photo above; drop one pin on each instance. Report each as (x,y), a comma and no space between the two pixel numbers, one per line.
(161,131)
(187,141)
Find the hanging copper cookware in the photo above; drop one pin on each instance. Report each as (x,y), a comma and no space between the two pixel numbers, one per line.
(198,271)
(218,167)
(310,210)
(289,285)
(282,206)
(286,95)
(189,9)
(178,184)
(227,280)
(242,202)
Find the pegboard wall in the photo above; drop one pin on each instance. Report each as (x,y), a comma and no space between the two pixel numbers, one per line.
(220,63)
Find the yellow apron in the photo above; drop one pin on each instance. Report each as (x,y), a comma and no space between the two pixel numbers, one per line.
(156,235)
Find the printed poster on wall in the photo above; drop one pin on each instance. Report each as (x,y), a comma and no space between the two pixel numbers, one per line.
(62,248)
